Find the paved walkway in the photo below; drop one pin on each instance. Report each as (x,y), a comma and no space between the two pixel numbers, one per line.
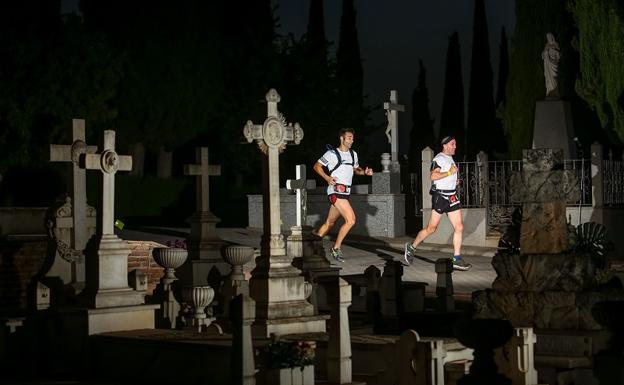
(361,252)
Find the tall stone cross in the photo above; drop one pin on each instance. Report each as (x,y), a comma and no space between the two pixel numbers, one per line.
(72,153)
(392,131)
(276,285)
(108,162)
(272,137)
(202,170)
(300,185)
(543,188)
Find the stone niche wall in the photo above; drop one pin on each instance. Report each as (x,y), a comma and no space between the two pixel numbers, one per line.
(140,258)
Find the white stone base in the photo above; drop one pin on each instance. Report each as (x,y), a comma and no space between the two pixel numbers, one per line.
(94,321)
(299,325)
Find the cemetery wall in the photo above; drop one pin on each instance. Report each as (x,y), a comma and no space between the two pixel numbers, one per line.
(140,258)
(21,260)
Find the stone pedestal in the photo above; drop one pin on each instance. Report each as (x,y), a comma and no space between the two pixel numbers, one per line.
(204,249)
(107,275)
(309,256)
(386,183)
(553,127)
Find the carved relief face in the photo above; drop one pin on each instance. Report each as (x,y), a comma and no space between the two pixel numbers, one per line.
(110,161)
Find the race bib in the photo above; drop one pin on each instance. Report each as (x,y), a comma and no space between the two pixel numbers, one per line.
(342,188)
(453,200)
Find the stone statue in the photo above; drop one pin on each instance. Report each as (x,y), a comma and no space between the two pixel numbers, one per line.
(551,57)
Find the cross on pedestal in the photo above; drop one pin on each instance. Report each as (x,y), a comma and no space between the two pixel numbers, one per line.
(79,235)
(276,285)
(300,185)
(71,153)
(107,263)
(272,137)
(543,188)
(203,243)
(392,131)
(202,170)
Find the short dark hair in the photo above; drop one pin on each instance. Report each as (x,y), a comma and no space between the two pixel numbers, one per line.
(446,139)
(345,130)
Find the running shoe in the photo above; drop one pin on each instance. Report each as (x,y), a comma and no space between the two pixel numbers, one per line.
(460,264)
(337,254)
(408,256)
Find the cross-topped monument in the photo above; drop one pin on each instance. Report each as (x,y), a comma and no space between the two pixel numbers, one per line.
(71,153)
(543,188)
(109,304)
(278,310)
(203,243)
(392,131)
(107,271)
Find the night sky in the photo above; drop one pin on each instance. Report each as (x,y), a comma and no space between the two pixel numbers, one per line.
(393,35)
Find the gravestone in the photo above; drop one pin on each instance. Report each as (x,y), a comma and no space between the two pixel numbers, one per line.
(79,215)
(275,284)
(110,304)
(543,188)
(203,243)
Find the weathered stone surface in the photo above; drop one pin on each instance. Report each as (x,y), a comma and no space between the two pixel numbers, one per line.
(541,159)
(544,186)
(556,310)
(538,272)
(544,229)
(516,307)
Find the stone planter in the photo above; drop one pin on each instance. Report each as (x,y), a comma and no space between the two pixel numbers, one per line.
(170,258)
(237,256)
(197,298)
(291,376)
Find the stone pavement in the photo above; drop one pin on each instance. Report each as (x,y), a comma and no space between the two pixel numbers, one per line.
(361,252)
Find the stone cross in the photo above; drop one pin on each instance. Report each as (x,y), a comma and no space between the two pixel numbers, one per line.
(392,132)
(71,153)
(543,188)
(272,137)
(202,171)
(276,285)
(108,162)
(300,185)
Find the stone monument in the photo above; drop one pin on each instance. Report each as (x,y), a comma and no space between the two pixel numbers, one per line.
(553,126)
(73,222)
(109,303)
(389,180)
(276,285)
(204,246)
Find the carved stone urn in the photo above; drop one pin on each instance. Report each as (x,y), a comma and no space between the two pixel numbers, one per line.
(237,256)
(170,258)
(197,298)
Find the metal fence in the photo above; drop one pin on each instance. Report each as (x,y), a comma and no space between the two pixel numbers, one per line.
(613,193)
(494,189)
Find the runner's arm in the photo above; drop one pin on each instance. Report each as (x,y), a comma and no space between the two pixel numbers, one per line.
(437,173)
(318,168)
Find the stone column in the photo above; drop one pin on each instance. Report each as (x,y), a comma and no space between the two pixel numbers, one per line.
(482,164)
(427,157)
(339,346)
(391,295)
(242,315)
(444,285)
(597,175)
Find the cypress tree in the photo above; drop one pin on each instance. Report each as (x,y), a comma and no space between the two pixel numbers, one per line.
(349,72)
(503,70)
(481,133)
(601,47)
(421,135)
(452,113)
